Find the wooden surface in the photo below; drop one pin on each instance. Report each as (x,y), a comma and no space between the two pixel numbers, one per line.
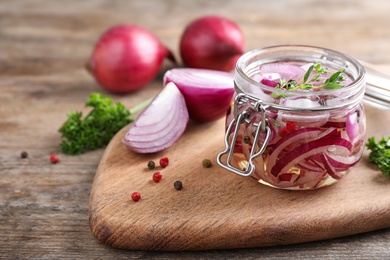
(220,210)
(43,48)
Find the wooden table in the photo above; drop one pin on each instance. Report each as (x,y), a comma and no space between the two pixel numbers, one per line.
(43,48)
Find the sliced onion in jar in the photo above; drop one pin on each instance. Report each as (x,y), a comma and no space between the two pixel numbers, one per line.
(286,180)
(317,119)
(271,76)
(302,102)
(309,149)
(208,93)
(286,70)
(312,181)
(352,126)
(295,137)
(344,162)
(308,165)
(161,123)
(258,162)
(330,169)
(269,82)
(308,177)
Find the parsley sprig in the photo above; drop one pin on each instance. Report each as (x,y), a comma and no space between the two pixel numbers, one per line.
(380,154)
(314,74)
(97,128)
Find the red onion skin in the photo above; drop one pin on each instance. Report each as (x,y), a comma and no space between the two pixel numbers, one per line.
(204,107)
(212,42)
(204,104)
(126,58)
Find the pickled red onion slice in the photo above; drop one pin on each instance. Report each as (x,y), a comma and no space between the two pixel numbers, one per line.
(269,83)
(286,70)
(308,165)
(308,149)
(303,119)
(344,162)
(329,168)
(352,126)
(287,180)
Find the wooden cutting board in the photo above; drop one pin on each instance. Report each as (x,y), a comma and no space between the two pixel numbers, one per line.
(217,209)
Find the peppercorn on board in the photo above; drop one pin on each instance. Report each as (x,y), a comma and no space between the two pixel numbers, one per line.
(217,209)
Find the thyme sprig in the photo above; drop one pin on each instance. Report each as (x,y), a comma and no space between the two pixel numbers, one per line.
(316,73)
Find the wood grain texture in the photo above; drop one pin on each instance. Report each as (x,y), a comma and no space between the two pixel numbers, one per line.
(220,210)
(43,48)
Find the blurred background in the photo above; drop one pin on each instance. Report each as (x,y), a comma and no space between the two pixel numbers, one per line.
(41,36)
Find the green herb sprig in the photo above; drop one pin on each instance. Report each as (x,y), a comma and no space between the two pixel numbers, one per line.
(315,73)
(97,128)
(380,154)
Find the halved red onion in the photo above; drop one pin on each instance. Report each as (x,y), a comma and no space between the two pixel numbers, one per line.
(208,93)
(161,123)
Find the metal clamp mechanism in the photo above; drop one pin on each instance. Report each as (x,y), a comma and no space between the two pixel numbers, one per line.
(255,105)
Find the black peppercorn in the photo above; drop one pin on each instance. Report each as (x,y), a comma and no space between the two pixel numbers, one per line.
(207,163)
(151,165)
(246,139)
(178,185)
(24,154)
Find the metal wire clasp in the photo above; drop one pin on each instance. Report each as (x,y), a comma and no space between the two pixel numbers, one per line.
(255,105)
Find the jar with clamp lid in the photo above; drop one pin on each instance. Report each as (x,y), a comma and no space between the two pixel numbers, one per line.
(297,121)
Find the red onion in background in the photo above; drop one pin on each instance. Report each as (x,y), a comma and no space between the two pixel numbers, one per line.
(211,42)
(126,58)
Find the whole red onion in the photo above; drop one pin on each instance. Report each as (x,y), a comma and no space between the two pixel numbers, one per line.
(126,58)
(211,42)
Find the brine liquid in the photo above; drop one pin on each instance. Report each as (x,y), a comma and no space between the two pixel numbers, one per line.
(303,155)
(307,149)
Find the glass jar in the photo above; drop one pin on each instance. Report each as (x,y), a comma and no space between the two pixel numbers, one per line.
(289,127)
